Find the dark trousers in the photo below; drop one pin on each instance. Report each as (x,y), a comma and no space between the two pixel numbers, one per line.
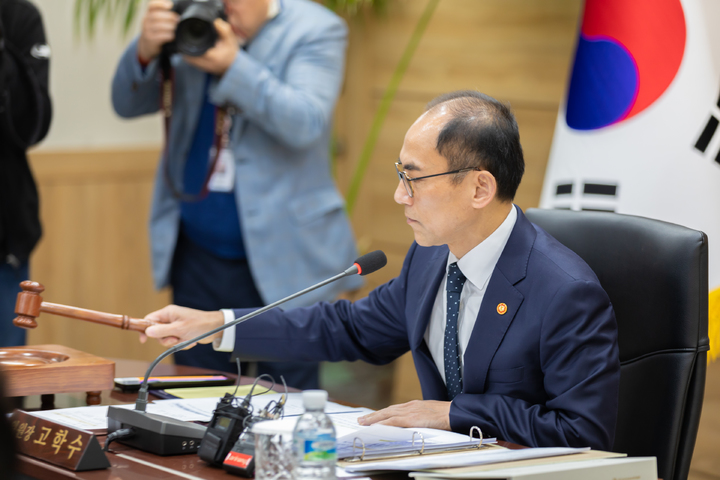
(10,278)
(203,281)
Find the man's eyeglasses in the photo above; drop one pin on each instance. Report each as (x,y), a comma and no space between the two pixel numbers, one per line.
(406,180)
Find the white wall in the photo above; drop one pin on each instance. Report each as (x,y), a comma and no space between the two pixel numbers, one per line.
(81,70)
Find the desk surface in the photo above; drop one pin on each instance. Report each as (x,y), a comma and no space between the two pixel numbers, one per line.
(130,464)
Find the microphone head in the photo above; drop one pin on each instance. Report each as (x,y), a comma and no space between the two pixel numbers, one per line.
(371,262)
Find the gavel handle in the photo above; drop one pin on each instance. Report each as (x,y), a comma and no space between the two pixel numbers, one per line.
(119,321)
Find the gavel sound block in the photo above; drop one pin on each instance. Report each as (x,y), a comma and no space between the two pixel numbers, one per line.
(49,369)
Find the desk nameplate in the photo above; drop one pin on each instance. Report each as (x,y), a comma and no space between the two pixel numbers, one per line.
(58,444)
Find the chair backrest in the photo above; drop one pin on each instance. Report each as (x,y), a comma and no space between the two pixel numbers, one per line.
(656,275)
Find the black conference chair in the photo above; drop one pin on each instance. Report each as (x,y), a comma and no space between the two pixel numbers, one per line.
(656,275)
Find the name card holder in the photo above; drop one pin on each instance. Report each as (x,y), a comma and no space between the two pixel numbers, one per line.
(58,444)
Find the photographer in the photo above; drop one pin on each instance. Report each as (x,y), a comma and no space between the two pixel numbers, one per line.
(25,113)
(251,218)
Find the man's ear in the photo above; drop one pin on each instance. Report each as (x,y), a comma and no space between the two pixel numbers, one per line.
(485,188)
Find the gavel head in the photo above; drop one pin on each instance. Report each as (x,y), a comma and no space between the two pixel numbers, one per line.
(28,304)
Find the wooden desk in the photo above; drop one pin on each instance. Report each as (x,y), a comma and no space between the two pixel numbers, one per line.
(131,464)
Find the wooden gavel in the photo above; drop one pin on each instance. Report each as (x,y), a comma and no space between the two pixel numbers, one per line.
(29,305)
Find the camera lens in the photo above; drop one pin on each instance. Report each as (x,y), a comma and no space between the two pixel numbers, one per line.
(195,33)
(195,36)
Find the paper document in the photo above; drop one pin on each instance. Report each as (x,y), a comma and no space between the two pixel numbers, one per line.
(293,404)
(346,423)
(95,418)
(384,441)
(636,468)
(462,459)
(216,392)
(189,410)
(462,472)
(82,418)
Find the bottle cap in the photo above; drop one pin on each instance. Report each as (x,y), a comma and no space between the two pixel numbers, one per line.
(314,399)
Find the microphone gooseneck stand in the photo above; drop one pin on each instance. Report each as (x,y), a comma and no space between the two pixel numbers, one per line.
(168,436)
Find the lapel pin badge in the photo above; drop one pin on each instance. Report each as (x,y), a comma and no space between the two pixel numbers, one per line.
(502,308)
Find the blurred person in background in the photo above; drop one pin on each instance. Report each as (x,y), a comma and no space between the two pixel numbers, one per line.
(25,113)
(250,218)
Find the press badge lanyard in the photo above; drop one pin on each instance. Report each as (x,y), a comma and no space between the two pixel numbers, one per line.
(221,135)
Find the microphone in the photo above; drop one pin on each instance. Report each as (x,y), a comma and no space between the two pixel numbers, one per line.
(370,262)
(163,435)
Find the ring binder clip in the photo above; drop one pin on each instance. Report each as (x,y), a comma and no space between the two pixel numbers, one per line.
(362,456)
(480,435)
(422,447)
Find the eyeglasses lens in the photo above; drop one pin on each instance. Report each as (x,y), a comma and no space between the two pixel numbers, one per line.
(404,180)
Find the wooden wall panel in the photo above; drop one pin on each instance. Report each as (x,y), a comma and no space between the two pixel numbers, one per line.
(512,49)
(94,252)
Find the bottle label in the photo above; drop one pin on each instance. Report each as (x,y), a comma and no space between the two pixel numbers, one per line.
(318,449)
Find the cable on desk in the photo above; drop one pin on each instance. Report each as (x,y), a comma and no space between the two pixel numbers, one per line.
(118,435)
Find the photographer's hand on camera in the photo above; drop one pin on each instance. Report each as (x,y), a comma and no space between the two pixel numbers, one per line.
(219,58)
(158,28)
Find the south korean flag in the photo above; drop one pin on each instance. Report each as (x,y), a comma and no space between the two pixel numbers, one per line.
(638,131)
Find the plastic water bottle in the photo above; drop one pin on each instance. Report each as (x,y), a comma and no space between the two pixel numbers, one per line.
(314,440)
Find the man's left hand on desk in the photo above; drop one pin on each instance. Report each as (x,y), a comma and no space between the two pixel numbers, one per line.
(417,413)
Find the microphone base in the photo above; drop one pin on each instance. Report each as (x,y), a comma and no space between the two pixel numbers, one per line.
(156,433)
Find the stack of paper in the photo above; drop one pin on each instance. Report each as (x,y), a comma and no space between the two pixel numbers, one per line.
(381,441)
(565,468)
(461,459)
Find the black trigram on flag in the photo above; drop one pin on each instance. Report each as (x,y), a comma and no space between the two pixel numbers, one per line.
(707,134)
(589,196)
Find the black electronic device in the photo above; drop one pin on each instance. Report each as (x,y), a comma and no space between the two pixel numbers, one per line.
(195,33)
(132,384)
(240,460)
(147,432)
(227,424)
(152,433)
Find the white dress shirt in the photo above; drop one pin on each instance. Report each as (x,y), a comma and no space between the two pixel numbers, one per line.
(477,265)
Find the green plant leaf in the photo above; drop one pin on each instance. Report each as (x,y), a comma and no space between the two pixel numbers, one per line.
(88,12)
(132,9)
(92,17)
(385,103)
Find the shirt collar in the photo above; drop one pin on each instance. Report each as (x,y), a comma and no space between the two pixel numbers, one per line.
(478,264)
(273,9)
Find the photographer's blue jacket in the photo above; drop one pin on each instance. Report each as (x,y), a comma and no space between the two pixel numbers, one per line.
(284,87)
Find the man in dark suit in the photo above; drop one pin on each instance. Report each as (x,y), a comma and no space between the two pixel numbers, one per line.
(509,330)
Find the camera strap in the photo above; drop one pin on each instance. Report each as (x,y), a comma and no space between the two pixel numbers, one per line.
(221,135)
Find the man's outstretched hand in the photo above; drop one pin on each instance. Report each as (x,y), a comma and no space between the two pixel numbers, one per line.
(174,324)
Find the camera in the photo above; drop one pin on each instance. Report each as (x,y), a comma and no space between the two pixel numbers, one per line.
(195,33)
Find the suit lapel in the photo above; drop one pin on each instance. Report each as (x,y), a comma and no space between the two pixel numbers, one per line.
(499,306)
(424,288)
(426,292)
(263,47)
